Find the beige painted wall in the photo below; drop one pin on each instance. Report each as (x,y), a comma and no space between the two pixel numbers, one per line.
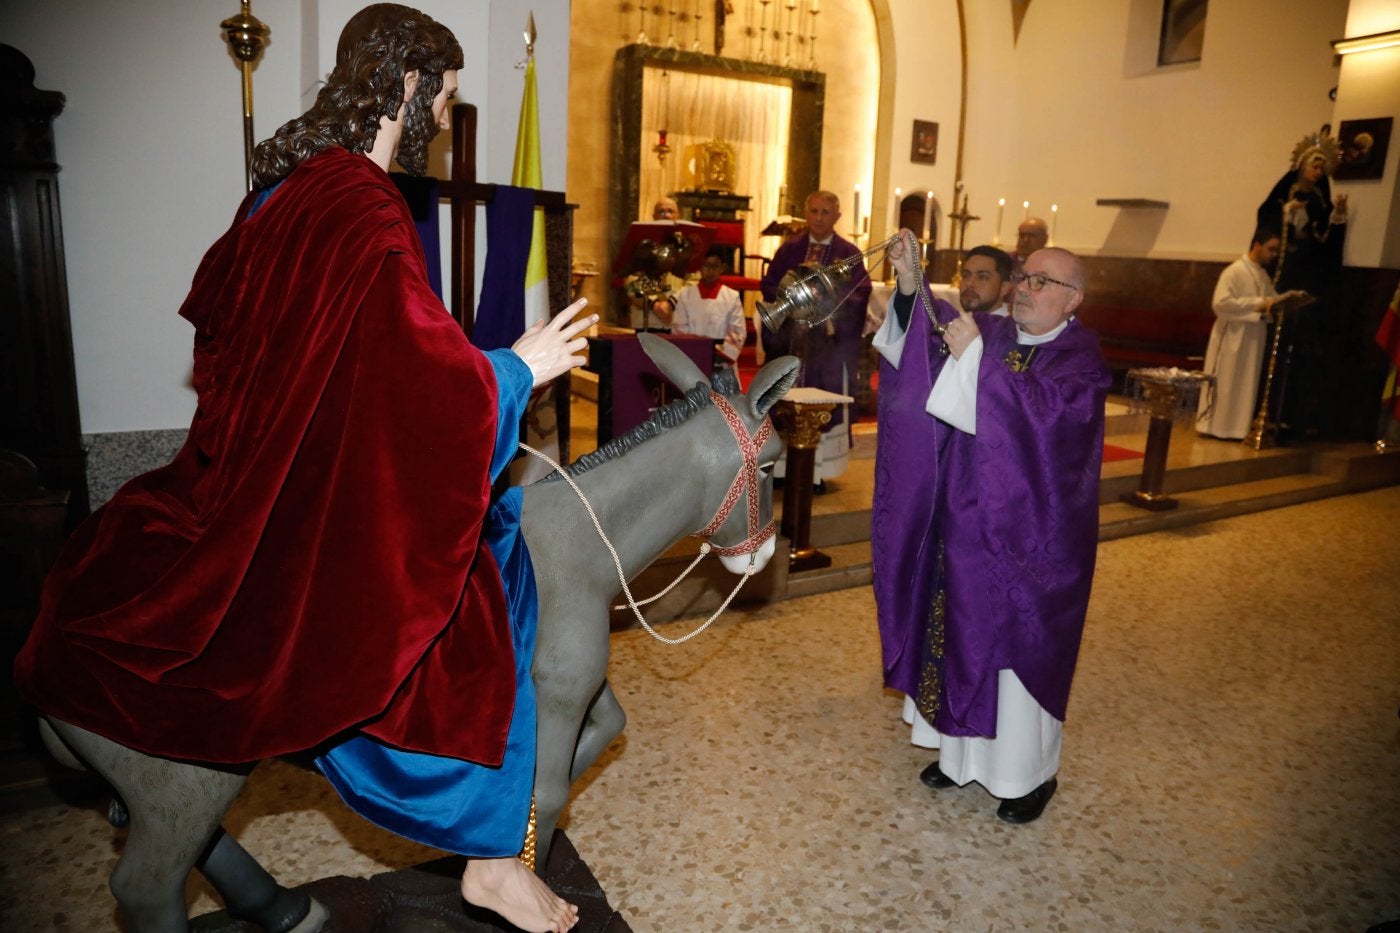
(1070,116)
(152,149)
(150,140)
(1370,87)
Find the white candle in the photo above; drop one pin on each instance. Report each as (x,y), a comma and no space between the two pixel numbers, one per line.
(895,225)
(1026,206)
(1001,208)
(855,210)
(1054,216)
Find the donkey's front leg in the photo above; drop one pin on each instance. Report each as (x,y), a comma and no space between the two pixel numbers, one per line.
(251,894)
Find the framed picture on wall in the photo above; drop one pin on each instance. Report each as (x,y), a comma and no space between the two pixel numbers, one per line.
(1364,144)
(1183,31)
(925,145)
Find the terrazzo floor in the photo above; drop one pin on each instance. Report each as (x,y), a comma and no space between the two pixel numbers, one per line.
(1231,762)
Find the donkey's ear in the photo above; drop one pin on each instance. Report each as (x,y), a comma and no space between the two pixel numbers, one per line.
(772,383)
(674,364)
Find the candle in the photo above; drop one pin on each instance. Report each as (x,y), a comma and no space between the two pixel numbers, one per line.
(1026,206)
(855,210)
(1001,207)
(1054,216)
(782,200)
(895,225)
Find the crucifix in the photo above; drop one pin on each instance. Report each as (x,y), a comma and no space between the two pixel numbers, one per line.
(722,9)
(961,218)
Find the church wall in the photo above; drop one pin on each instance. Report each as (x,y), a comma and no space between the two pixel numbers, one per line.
(151,142)
(922,61)
(151,149)
(1082,122)
(1370,87)
(151,146)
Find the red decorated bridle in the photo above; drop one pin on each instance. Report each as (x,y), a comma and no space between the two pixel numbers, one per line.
(745,483)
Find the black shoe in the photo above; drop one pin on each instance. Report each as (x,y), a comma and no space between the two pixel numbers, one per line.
(936,779)
(1027,809)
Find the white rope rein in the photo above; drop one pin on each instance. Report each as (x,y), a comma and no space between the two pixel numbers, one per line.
(621,576)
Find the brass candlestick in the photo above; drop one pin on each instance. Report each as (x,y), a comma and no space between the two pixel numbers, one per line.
(245,34)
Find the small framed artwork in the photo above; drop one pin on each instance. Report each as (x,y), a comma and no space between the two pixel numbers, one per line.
(1183,31)
(925,145)
(1364,144)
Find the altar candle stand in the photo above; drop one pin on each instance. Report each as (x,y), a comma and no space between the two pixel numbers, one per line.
(799,417)
(1166,394)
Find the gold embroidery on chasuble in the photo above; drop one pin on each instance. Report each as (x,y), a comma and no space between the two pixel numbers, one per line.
(1019,362)
(931,677)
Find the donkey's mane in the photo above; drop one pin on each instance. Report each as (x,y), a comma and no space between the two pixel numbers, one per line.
(661,421)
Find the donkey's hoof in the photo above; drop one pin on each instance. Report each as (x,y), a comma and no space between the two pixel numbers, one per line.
(117,814)
(290,912)
(315,918)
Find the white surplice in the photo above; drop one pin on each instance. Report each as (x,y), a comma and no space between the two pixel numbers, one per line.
(1235,352)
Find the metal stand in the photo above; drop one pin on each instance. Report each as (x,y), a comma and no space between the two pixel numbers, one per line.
(1263,433)
(245,34)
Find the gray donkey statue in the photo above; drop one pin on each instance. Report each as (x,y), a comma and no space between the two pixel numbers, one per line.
(715,453)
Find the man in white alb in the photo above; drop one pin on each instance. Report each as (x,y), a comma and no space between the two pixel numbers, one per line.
(1244,306)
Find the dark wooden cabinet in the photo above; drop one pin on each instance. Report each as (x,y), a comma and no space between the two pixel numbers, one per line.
(38,387)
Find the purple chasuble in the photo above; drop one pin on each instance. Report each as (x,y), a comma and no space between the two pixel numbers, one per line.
(827,357)
(1014,510)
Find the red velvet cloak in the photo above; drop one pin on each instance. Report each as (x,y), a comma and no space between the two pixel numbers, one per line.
(311,560)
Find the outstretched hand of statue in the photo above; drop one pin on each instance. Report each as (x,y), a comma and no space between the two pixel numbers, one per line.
(552,349)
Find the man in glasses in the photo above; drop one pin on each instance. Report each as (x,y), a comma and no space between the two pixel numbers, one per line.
(985,523)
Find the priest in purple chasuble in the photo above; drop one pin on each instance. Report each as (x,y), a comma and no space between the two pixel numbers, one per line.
(830,351)
(985,523)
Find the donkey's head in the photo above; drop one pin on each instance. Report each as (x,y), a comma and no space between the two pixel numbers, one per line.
(738,469)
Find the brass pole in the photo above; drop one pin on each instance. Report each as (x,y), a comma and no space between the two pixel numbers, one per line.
(245,34)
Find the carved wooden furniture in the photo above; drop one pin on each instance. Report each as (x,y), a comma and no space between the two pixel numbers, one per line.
(38,387)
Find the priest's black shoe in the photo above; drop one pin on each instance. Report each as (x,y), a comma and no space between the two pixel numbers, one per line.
(1027,809)
(936,779)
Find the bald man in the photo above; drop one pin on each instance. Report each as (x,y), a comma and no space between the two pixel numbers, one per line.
(1033,234)
(985,523)
(663,306)
(666,209)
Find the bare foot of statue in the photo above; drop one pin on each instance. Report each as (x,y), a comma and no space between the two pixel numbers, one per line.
(506,886)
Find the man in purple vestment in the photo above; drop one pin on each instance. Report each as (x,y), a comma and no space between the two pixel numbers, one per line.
(1031,235)
(830,351)
(985,522)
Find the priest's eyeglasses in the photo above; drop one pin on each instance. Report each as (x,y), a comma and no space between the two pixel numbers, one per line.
(1036,281)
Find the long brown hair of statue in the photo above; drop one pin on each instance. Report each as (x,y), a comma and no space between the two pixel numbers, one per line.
(377,47)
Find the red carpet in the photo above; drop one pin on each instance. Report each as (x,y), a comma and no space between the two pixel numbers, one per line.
(1112,452)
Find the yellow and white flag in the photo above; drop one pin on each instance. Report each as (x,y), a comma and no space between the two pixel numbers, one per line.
(527,174)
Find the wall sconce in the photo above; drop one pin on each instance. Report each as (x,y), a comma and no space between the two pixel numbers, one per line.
(1378,40)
